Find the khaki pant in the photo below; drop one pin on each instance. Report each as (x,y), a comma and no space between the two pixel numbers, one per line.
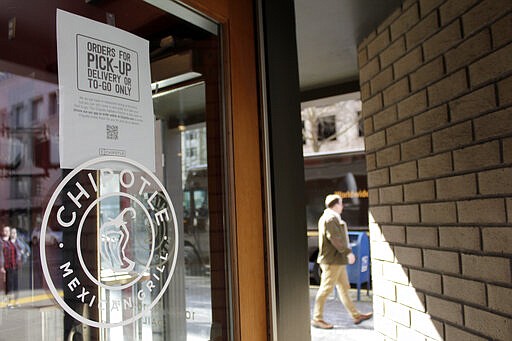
(334,275)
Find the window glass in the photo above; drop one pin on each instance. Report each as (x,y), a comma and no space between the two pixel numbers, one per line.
(326,128)
(110,235)
(344,175)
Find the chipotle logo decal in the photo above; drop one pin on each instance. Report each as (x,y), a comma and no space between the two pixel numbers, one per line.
(119,246)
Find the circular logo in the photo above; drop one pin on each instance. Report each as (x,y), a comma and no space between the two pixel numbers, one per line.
(114,242)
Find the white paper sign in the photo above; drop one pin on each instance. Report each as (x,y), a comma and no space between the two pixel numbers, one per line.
(105,100)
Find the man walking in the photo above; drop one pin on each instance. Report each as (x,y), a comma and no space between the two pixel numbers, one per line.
(334,254)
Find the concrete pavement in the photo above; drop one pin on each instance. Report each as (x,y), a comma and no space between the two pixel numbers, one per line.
(45,318)
(344,328)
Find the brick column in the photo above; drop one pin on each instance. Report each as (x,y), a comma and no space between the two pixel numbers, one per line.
(436,85)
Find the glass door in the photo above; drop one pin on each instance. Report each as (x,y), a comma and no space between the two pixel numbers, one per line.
(112,250)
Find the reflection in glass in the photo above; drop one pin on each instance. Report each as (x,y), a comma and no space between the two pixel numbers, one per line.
(187,161)
(116,241)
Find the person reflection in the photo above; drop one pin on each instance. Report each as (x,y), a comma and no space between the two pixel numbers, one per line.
(23,255)
(9,259)
(21,246)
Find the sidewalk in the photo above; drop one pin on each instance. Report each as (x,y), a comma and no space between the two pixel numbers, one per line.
(344,328)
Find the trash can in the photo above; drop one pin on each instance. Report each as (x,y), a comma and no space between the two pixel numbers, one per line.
(359,272)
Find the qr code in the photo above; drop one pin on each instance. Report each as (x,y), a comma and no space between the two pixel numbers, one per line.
(112,132)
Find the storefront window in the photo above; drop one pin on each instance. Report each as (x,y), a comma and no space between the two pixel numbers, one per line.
(142,255)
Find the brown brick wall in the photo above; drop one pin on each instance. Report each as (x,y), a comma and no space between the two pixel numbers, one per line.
(436,85)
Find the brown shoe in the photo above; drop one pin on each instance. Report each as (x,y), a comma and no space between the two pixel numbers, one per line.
(321,324)
(363,317)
